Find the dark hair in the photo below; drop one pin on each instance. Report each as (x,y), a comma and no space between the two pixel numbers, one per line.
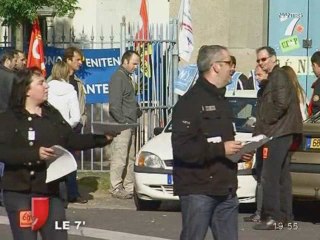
(21,85)
(269,50)
(69,53)
(315,58)
(207,55)
(16,51)
(233,60)
(7,54)
(128,54)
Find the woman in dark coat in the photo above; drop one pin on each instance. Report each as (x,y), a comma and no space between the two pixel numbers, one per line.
(28,130)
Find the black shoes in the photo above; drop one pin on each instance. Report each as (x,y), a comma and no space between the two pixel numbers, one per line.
(78,200)
(252,218)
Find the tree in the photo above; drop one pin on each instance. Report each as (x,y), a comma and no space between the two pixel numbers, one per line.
(16,12)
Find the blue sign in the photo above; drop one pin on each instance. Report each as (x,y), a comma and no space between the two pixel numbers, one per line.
(187,76)
(294,34)
(96,71)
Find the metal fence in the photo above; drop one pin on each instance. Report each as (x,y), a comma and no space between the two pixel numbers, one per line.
(154,86)
(154,89)
(6,36)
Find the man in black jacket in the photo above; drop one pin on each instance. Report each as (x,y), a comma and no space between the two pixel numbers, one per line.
(202,136)
(7,76)
(278,116)
(314,105)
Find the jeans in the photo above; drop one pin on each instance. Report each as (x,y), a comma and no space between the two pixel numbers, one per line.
(276,180)
(122,161)
(199,212)
(72,185)
(15,202)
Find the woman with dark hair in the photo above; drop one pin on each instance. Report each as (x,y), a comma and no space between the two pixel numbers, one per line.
(298,89)
(28,130)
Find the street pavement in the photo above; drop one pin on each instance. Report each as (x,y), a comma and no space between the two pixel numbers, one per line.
(104,217)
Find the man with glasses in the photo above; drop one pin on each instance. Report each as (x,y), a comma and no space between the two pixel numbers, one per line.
(239,81)
(278,116)
(202,136)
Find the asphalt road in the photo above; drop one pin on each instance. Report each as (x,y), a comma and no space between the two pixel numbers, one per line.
(118,220)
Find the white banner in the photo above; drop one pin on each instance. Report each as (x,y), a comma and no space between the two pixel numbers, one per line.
(185,34)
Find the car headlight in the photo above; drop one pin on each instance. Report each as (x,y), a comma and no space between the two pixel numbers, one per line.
(147,159)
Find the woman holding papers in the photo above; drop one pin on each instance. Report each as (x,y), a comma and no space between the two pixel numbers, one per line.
(28,130)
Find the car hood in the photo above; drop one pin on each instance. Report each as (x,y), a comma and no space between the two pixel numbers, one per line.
(161,144)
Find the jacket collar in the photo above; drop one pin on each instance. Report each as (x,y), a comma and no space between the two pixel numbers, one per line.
(210,87)
(125,71)
(315,83)
(24,113)
(275,68)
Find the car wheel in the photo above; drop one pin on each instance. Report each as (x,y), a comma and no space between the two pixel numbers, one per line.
(145,205)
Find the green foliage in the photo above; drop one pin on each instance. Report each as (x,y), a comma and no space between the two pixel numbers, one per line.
(16,12)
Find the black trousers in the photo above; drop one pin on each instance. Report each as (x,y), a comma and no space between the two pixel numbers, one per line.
(15,202)
(276,180)
(258,168)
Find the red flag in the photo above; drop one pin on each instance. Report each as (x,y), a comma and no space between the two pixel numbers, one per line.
(35,54)
(144,48)
(144,30)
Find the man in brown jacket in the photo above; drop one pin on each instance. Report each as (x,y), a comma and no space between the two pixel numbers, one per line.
(278,116)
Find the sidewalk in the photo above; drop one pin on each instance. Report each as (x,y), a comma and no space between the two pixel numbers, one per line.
(94,186)
(104,201)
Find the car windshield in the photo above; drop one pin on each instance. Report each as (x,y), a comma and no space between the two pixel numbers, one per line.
(243,114)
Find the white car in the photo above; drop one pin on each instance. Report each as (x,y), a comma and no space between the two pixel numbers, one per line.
(153,166)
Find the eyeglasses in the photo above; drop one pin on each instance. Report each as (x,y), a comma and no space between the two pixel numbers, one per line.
(262,59)
(227,62)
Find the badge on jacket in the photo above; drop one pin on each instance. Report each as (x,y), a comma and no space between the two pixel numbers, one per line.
(209,108)
(31,135)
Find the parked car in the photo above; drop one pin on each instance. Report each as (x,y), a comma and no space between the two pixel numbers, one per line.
(305,160)
(153,166)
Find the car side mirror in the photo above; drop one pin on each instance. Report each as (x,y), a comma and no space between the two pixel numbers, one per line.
(157,130)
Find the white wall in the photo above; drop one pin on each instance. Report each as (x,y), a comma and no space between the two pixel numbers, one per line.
(104,15)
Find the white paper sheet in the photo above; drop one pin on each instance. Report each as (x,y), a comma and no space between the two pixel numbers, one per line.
(60,166)
(249,146)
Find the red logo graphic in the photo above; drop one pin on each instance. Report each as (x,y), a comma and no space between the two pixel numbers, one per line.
(265,152)
(25,219)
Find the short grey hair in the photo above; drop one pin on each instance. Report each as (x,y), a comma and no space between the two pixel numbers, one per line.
(207,55)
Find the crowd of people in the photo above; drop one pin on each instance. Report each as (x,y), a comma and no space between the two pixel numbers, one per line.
(202,138)
(37,113)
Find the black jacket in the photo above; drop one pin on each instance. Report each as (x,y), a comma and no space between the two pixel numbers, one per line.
(278,110)
(6,81)
(315,101)
(24,171)
(202,116)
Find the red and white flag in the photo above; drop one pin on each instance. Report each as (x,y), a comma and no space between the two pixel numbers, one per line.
(36,54)
(144,22)
(185,34)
